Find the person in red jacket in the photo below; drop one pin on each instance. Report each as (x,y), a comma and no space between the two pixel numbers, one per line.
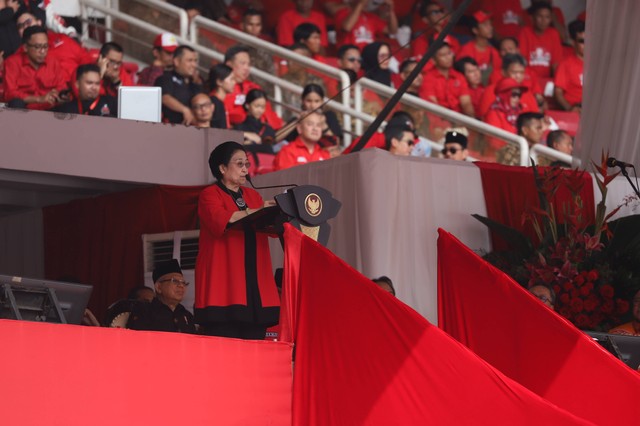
(305,148)
(540,44)
(507,106)
(237,58)
(66,50)
(32,78)
(568,81)
(302,13)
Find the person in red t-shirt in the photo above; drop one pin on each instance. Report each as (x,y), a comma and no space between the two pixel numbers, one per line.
(359,27)
(66,50)
(302,13)
(506,16)
(480,48)
(557,19)
(237,58)
(568,81)
(432,22)
(540,44)
(469,68)
(305,148)
(33,79)
(445,86)
(513,66)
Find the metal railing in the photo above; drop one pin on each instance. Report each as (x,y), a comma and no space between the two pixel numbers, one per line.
(168,8)
(447,114)
(553,154)
(348,106)
(342,77)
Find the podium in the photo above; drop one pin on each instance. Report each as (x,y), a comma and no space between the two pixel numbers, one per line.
(307,207)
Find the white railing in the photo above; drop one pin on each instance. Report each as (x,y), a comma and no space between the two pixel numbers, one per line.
(350,108)
(244,38)
(459,119)
(168,8)
(547,152)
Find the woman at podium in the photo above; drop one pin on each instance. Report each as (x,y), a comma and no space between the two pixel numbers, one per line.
(236,294)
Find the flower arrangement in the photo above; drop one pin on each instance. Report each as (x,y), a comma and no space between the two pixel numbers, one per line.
(592,268)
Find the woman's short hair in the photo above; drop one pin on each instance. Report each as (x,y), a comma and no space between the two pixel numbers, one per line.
(221,155)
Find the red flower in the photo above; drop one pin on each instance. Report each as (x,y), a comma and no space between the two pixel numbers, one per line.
(579,280)
(606,291)
(584,291)
(622,306)
(590,304)
(564,298)
(576,305)
(582,321)
(588,287)
(607,306)
(556,288)
(593,275)
(568,286)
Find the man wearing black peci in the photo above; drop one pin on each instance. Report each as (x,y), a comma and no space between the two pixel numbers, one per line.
(89,101)
(164,313)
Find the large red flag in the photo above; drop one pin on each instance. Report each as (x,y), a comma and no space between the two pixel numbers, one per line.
(365,358)
(495,317)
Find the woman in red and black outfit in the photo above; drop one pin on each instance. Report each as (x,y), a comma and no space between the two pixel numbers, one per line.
(236,294)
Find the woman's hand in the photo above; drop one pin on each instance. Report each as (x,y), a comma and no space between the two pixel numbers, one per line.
(269,203)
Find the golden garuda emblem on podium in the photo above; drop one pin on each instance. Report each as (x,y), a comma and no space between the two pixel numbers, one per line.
(313,204)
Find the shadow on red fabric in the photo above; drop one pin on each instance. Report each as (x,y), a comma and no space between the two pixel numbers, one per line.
(509,191)
(508,327)
(365,358)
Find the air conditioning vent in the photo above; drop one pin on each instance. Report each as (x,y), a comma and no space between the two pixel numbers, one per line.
(162,247)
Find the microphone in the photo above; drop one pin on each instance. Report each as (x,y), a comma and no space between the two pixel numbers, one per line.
(612,162)
(270,186)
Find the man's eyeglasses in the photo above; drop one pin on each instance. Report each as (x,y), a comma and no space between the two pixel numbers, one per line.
(202,106)
(580,40)
(450,150)
(354,59)
(516,94)
(544,299)
(114,64)
(44,46)
(409,142)
(175,281)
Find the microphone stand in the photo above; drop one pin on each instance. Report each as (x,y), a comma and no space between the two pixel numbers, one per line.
(623,170)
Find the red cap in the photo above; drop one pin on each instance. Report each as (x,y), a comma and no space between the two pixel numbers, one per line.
(167,42)
(507,84)
(480,16)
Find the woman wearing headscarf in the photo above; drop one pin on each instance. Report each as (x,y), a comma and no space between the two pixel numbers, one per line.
(375,62)
(236,295)
(506,108)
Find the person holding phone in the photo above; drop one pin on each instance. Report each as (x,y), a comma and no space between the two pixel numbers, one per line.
(89,101)
(32,78)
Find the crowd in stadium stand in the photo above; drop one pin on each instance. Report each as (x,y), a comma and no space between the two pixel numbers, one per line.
(501,64)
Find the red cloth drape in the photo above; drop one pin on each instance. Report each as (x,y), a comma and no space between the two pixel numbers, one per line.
(510,191)
(365,358)
(98,240)
(508,327)
(70,375)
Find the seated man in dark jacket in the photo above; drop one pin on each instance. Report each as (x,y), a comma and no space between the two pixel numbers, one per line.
(88,100)
(164,313)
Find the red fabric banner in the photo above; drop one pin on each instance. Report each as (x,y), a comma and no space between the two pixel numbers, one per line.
(499,320)
(98,241)
(365,358)
(72,375)
(510,191)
